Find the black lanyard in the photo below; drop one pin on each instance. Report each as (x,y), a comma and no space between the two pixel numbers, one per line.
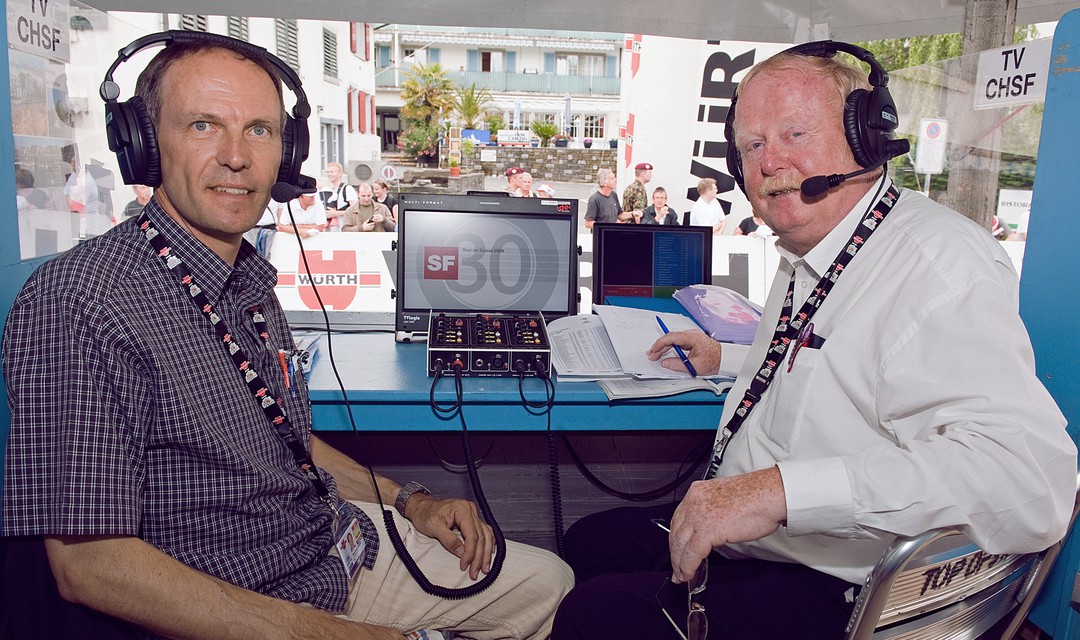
(270,404)
(790,328)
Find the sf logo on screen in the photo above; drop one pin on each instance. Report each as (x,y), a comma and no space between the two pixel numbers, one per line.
(441,263)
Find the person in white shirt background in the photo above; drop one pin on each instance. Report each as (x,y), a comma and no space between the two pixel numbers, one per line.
(884,411)
(707,210)
(307,211)
(338,196)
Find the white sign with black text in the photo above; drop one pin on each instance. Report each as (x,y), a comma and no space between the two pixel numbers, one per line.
(1013,75)
(40,27)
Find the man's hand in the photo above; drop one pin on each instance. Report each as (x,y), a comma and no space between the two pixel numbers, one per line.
(458,528)
(369,225)
(703,351)
(722,510)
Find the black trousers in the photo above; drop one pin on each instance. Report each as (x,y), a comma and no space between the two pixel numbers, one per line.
(620,559)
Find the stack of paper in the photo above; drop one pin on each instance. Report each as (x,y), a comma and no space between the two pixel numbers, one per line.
(610,348)
(725,315)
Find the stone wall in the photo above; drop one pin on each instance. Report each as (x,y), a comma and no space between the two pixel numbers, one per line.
(545,163)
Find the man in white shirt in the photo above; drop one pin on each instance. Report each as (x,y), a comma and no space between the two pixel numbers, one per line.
(890,414)
(338,195)
(308,213)
(707,210)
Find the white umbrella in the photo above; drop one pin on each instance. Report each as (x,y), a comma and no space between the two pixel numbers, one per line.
(568,123)
(517,114)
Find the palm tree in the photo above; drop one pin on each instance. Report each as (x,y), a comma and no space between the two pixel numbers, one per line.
(471,105)
(426,92)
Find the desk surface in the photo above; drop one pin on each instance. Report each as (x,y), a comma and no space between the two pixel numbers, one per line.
(388,390)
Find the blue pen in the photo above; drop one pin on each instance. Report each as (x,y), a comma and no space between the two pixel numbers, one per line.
(678,350)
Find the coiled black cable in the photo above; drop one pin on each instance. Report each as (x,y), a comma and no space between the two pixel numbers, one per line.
(553,455)
(414,570)
(388,517)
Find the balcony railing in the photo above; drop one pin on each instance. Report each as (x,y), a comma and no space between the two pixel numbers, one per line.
(519,82)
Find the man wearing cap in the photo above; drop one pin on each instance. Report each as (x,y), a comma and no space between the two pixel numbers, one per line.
(634,197)
(513,182)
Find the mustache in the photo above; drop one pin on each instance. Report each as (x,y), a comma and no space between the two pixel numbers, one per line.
(773,185)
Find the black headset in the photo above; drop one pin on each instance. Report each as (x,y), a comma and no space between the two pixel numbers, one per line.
(131,132)
(869,116)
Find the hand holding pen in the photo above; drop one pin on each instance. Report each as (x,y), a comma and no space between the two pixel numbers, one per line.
(702,351)
(678,349)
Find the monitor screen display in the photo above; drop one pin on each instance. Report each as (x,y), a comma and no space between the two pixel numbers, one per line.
(484,253)
(649,261)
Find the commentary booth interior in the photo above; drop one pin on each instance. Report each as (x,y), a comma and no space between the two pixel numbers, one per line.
(1046,311)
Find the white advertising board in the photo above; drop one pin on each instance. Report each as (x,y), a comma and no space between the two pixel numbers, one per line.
(676,94)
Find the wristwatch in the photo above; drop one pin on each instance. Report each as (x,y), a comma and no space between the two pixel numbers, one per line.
(407,492)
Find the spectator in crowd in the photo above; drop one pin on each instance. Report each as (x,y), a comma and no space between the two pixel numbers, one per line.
(603,205)
(1000,230)
(707,210)
(526,185)
(513,181)
(752,226)
(872,403)
(659,212)
(143,194)
(306,211)
(366,214)
(634,199)
(175,481)
(337,196)
(381,191)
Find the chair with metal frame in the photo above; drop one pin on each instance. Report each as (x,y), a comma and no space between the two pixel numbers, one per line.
(939,585)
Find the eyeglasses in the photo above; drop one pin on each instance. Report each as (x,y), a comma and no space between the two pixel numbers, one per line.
(697,625)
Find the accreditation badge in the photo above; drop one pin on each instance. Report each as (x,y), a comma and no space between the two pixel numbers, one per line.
(350,548)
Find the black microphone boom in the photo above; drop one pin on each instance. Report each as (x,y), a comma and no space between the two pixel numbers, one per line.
(817,185)
(283,191)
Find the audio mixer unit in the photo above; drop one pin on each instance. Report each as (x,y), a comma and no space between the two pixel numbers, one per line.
(488,344)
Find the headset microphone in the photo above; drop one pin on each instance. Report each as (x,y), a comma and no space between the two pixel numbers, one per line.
(817,185)
(283,191)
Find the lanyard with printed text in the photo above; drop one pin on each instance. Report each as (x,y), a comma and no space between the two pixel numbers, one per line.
(789,328)
(270,405)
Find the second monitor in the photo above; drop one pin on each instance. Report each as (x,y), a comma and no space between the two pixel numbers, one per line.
(649,261)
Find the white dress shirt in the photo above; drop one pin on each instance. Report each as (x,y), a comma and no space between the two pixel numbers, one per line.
(920,410)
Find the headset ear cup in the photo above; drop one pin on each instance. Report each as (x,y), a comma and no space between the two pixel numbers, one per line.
(293,140)
(147,167)
(734,161)
(855,128)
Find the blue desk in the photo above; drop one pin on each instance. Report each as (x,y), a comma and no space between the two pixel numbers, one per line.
(388,390)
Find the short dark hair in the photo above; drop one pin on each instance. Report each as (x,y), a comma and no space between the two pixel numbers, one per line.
(659,190)
(148,86)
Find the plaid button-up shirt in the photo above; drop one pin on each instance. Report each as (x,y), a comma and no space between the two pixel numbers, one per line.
(129,417)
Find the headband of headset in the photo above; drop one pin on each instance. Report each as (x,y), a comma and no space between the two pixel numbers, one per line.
(869,116)
(131,133)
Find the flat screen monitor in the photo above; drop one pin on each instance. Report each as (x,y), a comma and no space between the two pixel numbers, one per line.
(484,253)
(649,260)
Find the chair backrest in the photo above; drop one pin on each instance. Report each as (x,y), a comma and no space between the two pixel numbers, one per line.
(940,585)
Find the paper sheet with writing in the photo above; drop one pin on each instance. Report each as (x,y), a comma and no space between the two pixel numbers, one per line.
(631,331)
(581,350)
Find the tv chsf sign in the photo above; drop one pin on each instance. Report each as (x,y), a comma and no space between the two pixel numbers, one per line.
(336,276)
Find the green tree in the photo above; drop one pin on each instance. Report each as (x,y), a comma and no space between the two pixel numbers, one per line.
(494,122)
(426,93)
(545,130)
(903,53)
(471,105)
